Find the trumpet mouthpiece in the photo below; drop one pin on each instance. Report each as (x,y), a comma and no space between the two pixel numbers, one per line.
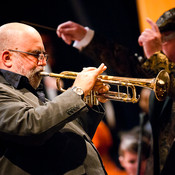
(44,73)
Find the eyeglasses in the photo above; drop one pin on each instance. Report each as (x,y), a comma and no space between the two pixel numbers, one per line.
(40,56)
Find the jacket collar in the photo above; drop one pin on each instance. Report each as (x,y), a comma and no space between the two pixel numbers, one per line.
(18,82)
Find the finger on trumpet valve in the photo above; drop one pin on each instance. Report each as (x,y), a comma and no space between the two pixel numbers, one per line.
(101,87)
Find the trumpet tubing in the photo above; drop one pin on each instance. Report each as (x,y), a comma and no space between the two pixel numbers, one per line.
(160,86)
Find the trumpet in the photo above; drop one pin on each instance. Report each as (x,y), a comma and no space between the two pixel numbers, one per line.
(160,85)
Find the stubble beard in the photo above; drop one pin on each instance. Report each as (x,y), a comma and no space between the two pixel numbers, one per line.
(34,77)
(32,74)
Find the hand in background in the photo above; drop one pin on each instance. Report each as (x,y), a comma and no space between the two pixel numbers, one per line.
(150,39)
(71,31)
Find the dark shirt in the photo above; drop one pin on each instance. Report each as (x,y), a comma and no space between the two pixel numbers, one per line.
(19,81)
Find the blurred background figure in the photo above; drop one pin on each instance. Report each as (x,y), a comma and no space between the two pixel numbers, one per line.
(128,151)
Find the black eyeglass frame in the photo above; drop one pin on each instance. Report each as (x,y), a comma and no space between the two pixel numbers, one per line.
(45,55)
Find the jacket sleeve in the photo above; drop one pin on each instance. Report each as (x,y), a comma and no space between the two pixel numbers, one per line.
(91,120)
(117,58)
(33,124)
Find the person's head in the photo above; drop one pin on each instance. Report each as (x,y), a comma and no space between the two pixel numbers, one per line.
(128,151)
(15,40)
(166,24)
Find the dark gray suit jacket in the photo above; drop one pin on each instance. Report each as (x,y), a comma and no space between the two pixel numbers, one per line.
(46,138)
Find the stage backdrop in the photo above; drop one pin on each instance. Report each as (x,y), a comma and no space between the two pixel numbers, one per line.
(152,9)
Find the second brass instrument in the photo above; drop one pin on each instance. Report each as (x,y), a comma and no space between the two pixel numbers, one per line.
(160,86)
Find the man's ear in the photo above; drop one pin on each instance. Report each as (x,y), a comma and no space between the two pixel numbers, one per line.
(6,59)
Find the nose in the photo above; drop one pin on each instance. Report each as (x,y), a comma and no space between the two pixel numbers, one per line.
(42,62)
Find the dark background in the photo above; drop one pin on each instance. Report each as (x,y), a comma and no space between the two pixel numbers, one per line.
(114,19)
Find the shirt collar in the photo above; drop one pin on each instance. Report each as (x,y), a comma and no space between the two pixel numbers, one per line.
(11,77)
(18,81)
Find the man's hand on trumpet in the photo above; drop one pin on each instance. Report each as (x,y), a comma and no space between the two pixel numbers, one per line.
(101,88)
(87,81)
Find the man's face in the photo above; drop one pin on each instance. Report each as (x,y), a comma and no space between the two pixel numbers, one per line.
(130,164)
(26,64)
(168,46)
